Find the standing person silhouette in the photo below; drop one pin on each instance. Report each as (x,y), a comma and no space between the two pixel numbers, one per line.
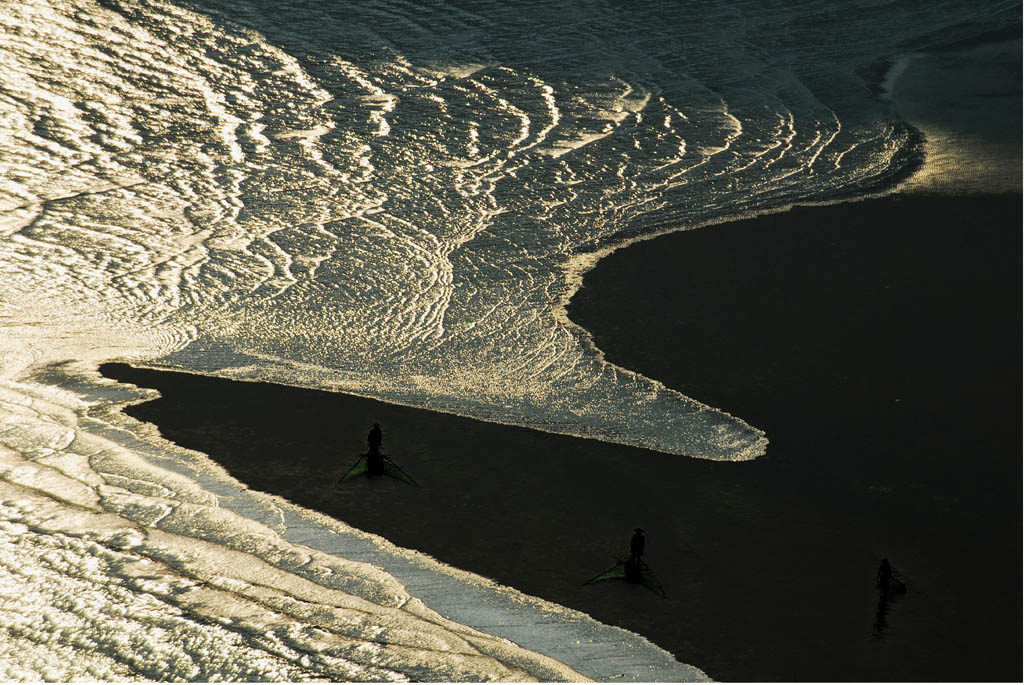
(636,545)
(884,576)
(636,550)
(375,460)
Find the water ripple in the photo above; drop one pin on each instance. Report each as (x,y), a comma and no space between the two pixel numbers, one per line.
(388,226)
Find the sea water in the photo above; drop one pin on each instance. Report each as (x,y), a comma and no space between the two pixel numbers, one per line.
(394,200)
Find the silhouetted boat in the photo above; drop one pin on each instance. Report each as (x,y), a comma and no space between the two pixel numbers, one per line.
(390,468)
(631,572)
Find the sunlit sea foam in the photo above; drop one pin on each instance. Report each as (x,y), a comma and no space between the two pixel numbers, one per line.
(379,228)
(325,198)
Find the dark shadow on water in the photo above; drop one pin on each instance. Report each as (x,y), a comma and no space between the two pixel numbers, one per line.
(877,343)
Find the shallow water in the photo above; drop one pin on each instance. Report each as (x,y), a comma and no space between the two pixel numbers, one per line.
(768,565)
(389,200)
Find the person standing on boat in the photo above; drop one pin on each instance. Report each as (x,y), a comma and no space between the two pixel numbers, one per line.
(634,566)
(636,545)
(375,460)
(883,578)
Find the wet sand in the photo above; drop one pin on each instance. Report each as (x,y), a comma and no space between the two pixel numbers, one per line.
(877,343)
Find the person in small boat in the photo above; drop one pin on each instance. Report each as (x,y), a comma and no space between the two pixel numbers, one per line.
(636,550)
(636,545)
(883,578)
(375,460)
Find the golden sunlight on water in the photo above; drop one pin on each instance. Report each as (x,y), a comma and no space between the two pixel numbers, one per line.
(967,163)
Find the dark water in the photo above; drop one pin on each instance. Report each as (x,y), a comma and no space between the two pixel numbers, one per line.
(876,343)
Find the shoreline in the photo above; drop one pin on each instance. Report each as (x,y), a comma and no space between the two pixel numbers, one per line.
(543,512)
